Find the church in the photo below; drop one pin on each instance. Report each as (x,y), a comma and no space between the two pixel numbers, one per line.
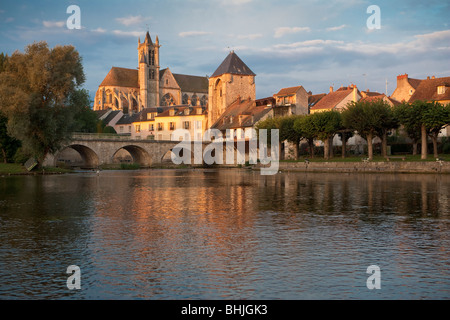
(132,90)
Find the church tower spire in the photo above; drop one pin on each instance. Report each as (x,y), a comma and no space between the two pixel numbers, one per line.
(149,72)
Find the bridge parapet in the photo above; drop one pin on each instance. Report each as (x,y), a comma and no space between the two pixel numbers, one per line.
(104,136)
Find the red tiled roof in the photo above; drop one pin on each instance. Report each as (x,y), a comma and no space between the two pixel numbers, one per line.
(241,114)
(427,90)
(374,97)
(332,99)
(315,98)
(288,91)
(414,82)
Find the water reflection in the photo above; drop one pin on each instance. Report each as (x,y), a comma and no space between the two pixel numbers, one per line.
(233,234)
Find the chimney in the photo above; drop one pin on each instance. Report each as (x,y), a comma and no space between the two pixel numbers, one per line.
(355,94)
(331,89)
(428,78)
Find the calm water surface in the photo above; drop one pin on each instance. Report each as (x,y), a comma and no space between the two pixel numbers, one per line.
(230,234)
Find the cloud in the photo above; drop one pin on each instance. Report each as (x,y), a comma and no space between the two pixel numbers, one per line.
(99,30)
(193,33)
(132,20)
(336,28)
(134,34)
(308,43)
(235,2)
(250,36)
(279,32)
(8,20)
(54,24)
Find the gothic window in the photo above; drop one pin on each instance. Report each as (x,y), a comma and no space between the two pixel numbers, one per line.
(203,101)
(185,99)
(194,100)
(167,100)
(135,106)
(152,74)
(152,57)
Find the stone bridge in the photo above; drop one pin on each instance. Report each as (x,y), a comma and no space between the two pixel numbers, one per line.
(99,149)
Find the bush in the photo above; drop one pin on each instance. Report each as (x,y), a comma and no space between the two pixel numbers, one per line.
(21,157)
(445,145)
(129,166)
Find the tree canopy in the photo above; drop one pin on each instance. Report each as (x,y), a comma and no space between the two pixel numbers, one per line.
(40,95)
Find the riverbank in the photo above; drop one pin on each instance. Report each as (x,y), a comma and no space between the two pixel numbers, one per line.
(351,166)
(442,167)
(17,169)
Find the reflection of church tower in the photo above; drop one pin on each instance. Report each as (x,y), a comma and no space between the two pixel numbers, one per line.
(149,72)
(232,80)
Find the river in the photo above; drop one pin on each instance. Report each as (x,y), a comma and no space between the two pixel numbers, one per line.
(224,234)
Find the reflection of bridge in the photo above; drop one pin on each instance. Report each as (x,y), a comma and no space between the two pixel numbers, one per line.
(100,149)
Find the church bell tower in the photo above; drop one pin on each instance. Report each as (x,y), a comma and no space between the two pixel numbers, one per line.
(149,72)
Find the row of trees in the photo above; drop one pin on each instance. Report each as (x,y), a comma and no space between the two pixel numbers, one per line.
(369,119)
(41,100)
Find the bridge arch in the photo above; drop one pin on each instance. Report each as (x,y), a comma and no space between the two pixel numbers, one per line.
(89,157)
(139,155)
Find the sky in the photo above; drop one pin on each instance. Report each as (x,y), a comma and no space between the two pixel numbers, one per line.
(286,43)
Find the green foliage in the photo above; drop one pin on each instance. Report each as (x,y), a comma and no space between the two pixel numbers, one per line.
(368,117)
(8,145)
(85,119)
(410,118)
(434,115)
(268,124)
(108,129)
(129,166)
(21,156)
(305,127)
(287,132)
(326,124)
(39,94)
(445,143)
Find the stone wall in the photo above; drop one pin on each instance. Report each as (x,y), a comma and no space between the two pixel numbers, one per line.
(368,167)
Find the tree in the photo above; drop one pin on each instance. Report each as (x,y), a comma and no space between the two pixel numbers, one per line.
(434,117)
(368,118)
(388,121)
(287,132)
(410,119)
(39,90)
(326,124)
(304,126)
(3,61)
(8,145)
(268,124)
(85,119)
(345,135)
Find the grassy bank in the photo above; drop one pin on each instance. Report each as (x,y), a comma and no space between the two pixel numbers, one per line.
(14,168)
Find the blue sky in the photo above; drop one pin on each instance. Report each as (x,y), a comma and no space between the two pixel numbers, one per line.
(286,43)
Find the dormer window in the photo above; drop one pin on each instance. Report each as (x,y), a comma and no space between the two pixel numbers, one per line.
(441,89)
(172,112)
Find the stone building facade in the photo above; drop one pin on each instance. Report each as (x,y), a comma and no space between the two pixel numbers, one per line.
(231,81)
(132,90)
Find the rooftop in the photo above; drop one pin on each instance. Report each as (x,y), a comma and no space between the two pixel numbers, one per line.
(233,65)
